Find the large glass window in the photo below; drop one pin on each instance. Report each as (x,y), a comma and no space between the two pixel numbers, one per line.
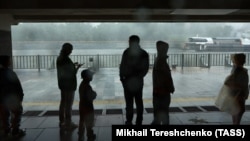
(193,47)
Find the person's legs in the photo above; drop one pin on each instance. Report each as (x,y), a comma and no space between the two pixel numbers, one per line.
(129,107)
(68,102)
(165,117)
(90,134)
(62,108)
(234,119)
(16,120)
(65,109)
(237,118)
(129,102)
(156,108)
(5,116)
(89,126)
(81,128)
(139,107)
(68,106)
(165,103)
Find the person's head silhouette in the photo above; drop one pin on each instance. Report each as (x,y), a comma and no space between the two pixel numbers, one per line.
(5,61)
(239,59)
(162,48)
(134,41)
(87,74)
(66,49)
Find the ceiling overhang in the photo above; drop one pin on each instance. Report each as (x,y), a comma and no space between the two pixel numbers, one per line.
(127,11)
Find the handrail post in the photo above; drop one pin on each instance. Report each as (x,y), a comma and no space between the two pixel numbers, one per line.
(38,62)
(209,60)
(98,62)
(182,61)
(196,59)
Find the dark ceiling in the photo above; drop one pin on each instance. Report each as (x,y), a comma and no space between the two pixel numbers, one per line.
(127,10)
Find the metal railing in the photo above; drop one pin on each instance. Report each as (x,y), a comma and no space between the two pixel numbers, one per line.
(111,61)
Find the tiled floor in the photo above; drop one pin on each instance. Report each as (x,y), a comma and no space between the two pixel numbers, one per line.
(192,102)
(46,127)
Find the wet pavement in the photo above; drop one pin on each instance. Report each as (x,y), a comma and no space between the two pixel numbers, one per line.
(193,87)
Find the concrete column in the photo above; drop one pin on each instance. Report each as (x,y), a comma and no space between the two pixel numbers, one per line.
(5,34)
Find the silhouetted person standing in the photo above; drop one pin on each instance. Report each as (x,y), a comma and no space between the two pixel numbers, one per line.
(86,107)
(238,82)
(163,85)
(67,83)
(11,97)
(133,68)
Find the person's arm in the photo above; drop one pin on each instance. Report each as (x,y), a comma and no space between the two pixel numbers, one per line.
(144,66)
(18,86)
(172,88)
(247,87)
(77,66)
(166,76)
(122,67)
(91,94)
(230,82)
(237,81)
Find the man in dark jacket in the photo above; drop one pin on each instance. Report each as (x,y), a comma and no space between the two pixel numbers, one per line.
(11,97)
(133,68)
(67,83)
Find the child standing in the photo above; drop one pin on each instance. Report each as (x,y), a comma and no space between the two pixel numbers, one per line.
(86,107)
